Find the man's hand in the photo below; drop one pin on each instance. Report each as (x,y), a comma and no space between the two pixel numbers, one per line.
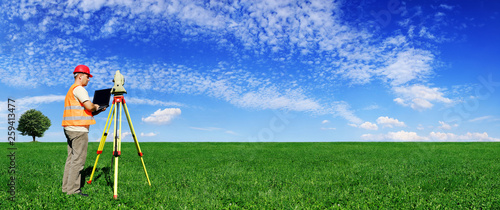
(100,110)
(90,106)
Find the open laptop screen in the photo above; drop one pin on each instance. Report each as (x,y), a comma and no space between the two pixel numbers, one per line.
(101,98)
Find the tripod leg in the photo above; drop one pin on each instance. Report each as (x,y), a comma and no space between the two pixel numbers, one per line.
(118,147)
(120,130)
(135,140)
(115,151)
(101,144)
(115,188)
(115,134)
(106,129)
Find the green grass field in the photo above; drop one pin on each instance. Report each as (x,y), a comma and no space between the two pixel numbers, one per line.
(264,176)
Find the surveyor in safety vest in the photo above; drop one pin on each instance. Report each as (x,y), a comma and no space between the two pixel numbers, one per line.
(77,119)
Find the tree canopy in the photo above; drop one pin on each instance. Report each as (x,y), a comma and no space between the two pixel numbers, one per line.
(33,123)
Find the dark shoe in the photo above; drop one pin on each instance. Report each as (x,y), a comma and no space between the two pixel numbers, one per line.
(84,195)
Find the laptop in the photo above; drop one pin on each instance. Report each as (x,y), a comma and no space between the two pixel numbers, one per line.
(101,98)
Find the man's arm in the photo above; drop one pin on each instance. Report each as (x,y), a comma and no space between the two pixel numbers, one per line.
(82,95)
(90,106)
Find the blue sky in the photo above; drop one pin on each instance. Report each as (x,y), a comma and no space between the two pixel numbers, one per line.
(263,70)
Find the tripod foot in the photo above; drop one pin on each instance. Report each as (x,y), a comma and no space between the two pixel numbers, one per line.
(89,182)
(115,197)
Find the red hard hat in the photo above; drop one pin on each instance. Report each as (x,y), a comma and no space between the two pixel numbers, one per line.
(82,69)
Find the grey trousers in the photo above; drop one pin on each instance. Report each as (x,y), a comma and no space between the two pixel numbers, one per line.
(77,153)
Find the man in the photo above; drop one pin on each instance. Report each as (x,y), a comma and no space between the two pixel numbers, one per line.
(77,119)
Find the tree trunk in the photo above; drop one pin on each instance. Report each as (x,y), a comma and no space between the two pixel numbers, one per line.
(33,138)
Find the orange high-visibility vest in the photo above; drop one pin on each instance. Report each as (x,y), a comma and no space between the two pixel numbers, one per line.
(75,113)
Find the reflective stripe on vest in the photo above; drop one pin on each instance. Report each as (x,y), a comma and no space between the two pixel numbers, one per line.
(78,118)
(74,112)
(74,107)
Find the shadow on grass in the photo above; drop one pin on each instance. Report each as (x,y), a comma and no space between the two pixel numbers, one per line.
(97,175)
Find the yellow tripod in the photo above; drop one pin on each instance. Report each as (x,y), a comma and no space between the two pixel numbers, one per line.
(118,101)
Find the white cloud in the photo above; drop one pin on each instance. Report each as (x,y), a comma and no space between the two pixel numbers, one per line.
(400,101)
(435,136)
(271,99)
(419,96)
(148,134)
(372,107)
(89,5)
(275,27)
(408,65)
(352,125)
(373,137)
(326,129)
(466,137)
(405,136)
(231,132)
(325,121)
(369,126)
(164,116)
(342,109)
(108,27)
(240,88)
(483,118)
(313,32)
(31,100)
(394,136)
(3,107)
(421,104)
(426,34)
(215,129)
(206,129)
(446,126)
(153,102)
(447,7)
(390,122)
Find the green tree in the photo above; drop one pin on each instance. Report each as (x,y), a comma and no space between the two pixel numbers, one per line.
(33,123)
